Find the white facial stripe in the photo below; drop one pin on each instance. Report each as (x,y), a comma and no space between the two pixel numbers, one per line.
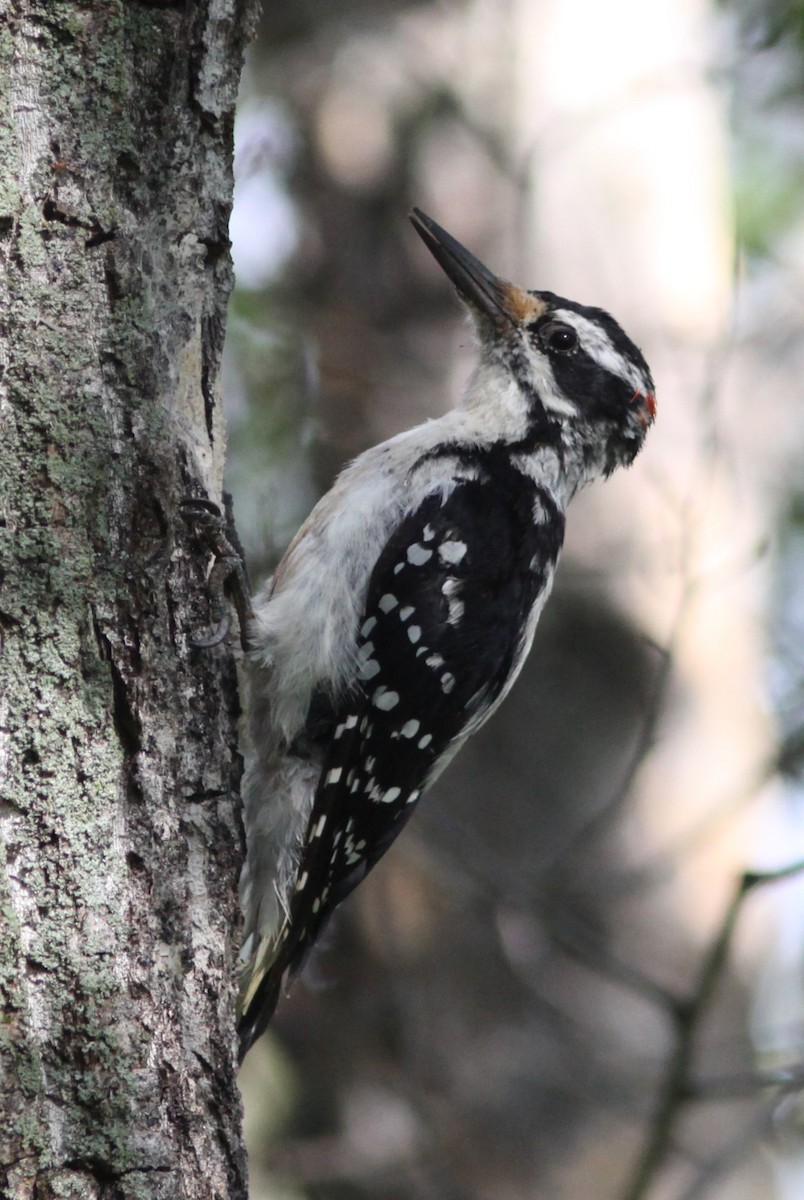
(545,384)
(597,344)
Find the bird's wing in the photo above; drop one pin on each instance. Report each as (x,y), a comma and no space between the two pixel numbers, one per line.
(440,637)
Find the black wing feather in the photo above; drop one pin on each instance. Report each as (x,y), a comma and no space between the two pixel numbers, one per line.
(440,634)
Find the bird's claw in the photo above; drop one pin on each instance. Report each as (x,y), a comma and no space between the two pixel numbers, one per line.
(214,639)
(227,574)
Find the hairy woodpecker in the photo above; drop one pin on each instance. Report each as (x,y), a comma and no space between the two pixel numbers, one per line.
(403,610)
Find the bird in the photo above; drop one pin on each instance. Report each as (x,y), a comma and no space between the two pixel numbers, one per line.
(404,608)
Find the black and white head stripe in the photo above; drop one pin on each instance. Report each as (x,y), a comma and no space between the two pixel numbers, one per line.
(596,321)
(596,340)
(579,363)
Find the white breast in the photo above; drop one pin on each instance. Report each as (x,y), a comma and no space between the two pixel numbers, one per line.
(305,622)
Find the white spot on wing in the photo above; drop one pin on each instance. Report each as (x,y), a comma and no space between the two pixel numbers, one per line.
(368,626)
(450,588)
(455,612)
(407,612)
(410,729)
(424,742)
(388,602)
(392,794)
(334,775)
(414,633)
(451,552)
(384,699)
(418,555)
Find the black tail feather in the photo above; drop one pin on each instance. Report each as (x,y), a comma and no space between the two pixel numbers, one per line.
(254,1021)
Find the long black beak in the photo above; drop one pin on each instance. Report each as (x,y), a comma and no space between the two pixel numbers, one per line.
(502,302)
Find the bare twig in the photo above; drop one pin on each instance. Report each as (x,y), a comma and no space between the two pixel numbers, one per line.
(482,871)
(675,1087)
(664,863)
(731,1155)
(747,1083)
(602,818)
(600,821)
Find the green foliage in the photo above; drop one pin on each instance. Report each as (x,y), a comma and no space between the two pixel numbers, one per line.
(768,23)
(767,197)
(767,91)
(270,423)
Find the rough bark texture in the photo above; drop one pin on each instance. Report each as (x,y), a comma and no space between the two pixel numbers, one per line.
(119,835)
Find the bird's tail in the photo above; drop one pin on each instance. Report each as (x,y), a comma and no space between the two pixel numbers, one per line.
(277,797)
(260,989)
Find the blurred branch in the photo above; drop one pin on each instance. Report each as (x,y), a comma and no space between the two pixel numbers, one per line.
(476,867)
(575,939)
(731,1156)
(675,1088)
(737,1149)
(747,1083)
(332,1160)
(602,818)
(665,862)
(787,760)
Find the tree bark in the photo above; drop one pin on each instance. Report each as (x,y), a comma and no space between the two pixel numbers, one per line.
(120,841)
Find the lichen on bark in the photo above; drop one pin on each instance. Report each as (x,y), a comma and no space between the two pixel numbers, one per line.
(119,831)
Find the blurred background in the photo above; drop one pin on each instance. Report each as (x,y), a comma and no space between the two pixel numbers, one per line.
(555,985)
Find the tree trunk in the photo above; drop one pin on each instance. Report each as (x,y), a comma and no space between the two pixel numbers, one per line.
(120,840)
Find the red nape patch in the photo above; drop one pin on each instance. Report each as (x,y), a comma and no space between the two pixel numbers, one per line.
(648,410)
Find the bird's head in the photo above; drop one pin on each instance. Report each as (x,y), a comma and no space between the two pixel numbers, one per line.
(578,371)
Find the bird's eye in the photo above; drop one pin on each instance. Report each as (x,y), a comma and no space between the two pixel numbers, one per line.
(560,337)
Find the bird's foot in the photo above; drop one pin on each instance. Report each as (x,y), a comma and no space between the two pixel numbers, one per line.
(227,577)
